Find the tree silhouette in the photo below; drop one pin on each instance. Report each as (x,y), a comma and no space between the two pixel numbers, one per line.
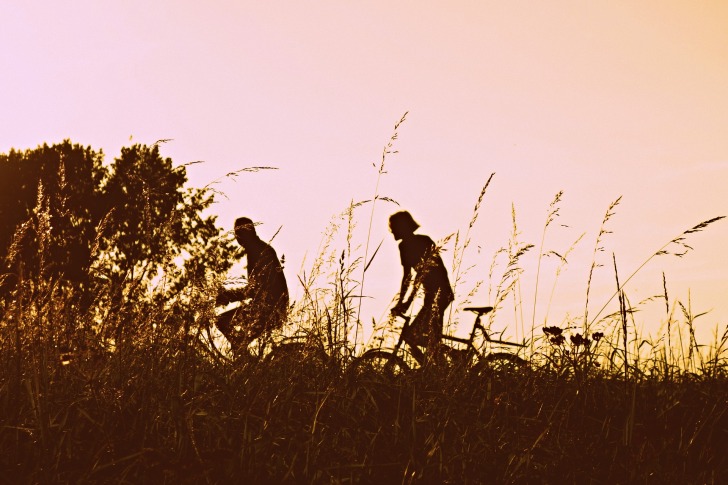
(67,217)
(69,180)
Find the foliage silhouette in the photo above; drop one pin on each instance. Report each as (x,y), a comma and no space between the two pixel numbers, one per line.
(107,225)
(71,178)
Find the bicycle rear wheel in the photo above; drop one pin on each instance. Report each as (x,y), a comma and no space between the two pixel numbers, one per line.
(378,362)
(298,357)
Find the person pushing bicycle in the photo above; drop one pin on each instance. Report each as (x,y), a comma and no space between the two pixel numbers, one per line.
(423,267)
(264,300)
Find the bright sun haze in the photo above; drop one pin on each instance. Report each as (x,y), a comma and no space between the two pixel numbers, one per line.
(598,100)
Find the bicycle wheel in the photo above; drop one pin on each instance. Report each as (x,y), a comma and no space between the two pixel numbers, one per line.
(298,357)
(456,359)
(378,362)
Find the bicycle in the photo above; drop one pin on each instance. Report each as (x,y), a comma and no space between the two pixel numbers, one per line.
(270,348)
(472,358)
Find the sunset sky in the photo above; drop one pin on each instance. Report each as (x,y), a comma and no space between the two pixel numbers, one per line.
(598,99)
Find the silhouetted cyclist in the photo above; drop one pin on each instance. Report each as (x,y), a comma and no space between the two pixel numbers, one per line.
(264,300)
(423,267)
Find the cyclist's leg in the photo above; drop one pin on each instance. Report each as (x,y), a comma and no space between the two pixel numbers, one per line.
(261,319)
(433,314)
(428,323)
(238,338)
(436,348)
(258,320)
(415,335)
(416,351)
(224,323)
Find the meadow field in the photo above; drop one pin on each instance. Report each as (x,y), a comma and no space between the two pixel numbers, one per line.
(143,391)
(112,371)
(162,408)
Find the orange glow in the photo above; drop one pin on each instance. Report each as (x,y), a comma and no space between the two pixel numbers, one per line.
(595,99)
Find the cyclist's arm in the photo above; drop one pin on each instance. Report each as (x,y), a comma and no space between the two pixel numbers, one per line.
(403,303)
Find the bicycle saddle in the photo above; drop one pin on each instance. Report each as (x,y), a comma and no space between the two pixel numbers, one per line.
(480,310)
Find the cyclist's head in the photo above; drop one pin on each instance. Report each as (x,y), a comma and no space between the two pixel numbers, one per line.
(244,229)
(402,224)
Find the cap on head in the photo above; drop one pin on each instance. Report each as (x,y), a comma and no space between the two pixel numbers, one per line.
(244,224)
(402,223)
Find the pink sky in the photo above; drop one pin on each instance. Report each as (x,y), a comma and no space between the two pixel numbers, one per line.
(597,99)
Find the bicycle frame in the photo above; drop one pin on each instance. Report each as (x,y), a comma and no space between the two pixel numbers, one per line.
(420,356)
(479,312)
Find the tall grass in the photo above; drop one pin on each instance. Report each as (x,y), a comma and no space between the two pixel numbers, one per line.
(133,391)
(387,150)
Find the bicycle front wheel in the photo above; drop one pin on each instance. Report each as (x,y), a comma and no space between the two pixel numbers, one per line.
(378,362)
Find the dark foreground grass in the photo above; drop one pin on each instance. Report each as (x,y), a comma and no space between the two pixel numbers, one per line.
(163,412)
(118,389)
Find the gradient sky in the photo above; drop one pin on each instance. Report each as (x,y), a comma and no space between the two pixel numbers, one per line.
(598,99)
